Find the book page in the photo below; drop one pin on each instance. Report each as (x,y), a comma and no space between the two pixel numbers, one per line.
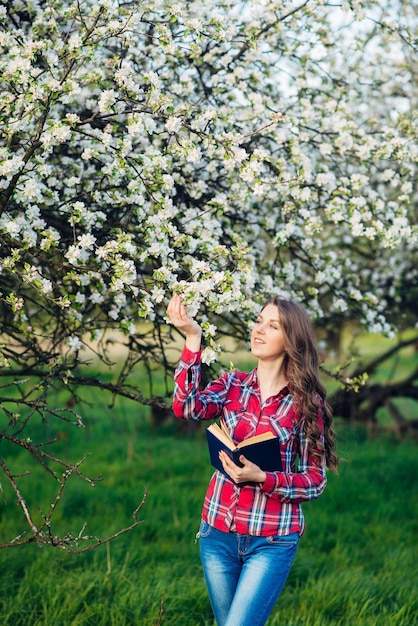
(222,436)
(224,428)
(256,439)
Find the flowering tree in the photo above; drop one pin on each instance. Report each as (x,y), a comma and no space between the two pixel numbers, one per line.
(222,150)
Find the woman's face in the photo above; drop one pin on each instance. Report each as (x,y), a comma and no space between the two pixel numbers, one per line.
(267,337)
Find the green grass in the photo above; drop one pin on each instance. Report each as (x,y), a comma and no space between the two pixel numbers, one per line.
(357,563)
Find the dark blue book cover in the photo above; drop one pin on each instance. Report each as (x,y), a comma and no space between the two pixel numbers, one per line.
(265,454)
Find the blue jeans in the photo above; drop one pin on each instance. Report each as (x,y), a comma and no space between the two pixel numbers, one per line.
(244,574)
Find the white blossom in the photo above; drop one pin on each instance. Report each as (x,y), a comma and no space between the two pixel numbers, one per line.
(46,285)
(173,124)
(96,297)
(73,254)
(86,241)
(74,343)
(208,356)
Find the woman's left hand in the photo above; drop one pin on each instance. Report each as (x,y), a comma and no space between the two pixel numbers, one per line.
(250,472)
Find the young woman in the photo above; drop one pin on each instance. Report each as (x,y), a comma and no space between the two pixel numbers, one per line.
(249,534)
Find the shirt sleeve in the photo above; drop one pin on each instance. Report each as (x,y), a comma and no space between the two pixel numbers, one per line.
(188,401)
(306,484)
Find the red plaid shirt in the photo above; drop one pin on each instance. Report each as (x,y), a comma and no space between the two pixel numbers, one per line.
(271,508)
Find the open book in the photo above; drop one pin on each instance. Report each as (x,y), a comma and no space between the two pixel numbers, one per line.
(263,450)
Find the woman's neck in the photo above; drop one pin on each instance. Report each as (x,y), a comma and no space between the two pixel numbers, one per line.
(271,377)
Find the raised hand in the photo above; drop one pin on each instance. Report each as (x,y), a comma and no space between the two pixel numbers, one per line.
(176,311)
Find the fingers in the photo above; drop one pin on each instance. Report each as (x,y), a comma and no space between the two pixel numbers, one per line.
(249,472)
(173,305)
(181,320)
(176,310)
(229,466)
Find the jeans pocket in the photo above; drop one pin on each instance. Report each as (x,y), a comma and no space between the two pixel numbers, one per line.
(204,530)
(284,540)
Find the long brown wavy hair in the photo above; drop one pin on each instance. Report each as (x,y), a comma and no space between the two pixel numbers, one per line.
(302,371)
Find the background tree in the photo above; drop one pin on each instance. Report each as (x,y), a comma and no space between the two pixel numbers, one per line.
(222,150)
